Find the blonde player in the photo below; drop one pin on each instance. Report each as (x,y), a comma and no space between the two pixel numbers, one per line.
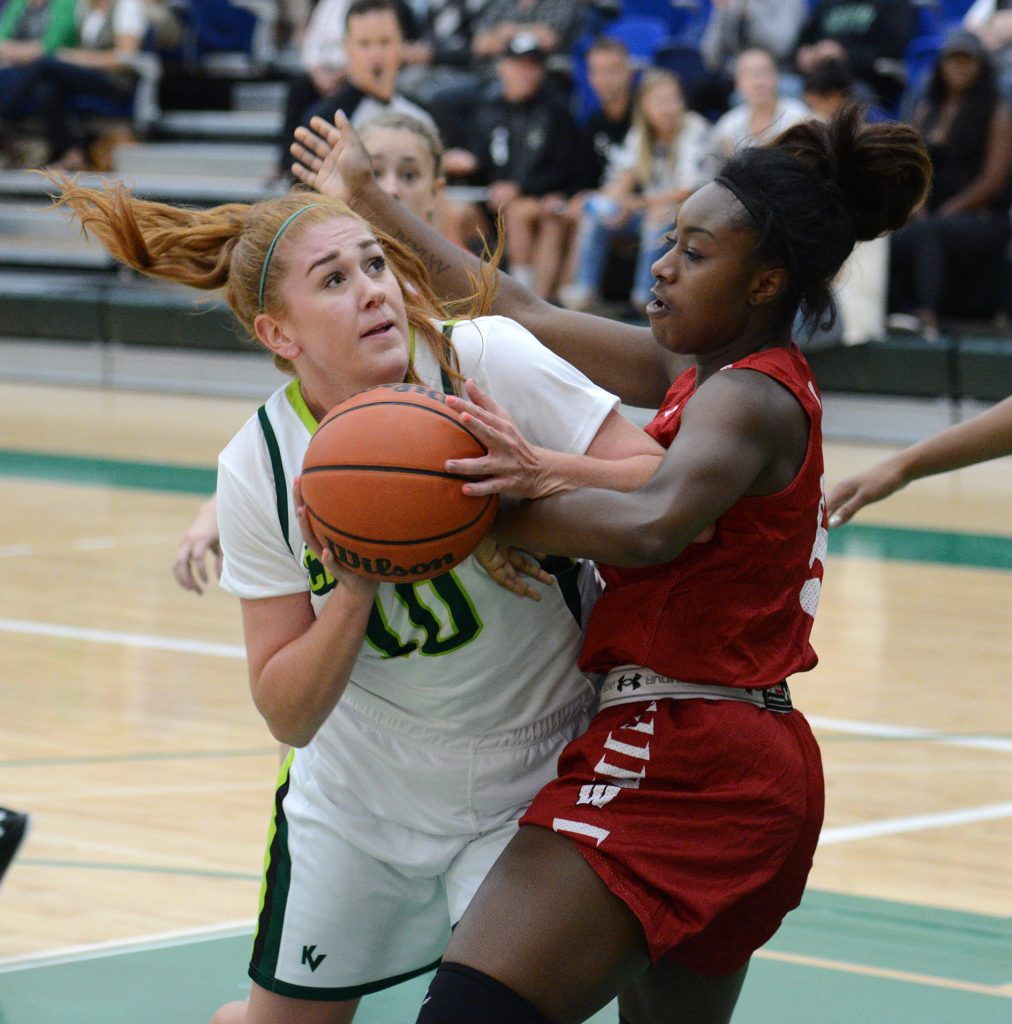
(425,716)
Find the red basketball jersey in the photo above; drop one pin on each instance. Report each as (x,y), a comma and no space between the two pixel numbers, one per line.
(738,609)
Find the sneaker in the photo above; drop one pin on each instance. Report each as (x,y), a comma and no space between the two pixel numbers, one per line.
(13,827)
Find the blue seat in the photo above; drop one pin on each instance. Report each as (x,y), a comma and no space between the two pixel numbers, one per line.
(952,11)
(678,15)
(642,34)
(219,27)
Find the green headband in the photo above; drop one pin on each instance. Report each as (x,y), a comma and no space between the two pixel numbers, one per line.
(270,252)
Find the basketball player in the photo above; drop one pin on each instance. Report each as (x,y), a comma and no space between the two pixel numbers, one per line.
(425,716)
(682,825)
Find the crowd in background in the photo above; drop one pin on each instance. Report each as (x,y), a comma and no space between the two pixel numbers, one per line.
(587,124)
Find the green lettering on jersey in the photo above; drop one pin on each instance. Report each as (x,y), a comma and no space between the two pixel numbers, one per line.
(320,581)
(448,626)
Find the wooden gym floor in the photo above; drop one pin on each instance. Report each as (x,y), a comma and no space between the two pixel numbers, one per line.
(128,734)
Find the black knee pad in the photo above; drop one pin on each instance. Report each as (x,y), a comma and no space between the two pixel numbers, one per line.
(462,995)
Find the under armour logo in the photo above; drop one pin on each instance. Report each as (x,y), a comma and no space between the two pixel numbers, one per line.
(633,682)
(308,958)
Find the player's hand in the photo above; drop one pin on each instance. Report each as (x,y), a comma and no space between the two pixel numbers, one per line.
(507,566)
(360,586)
(331,158)
(200,541)
(851,495)
(512,465)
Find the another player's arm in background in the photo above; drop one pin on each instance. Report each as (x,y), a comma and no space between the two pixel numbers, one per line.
(200,540)
(983,437)
(621,358)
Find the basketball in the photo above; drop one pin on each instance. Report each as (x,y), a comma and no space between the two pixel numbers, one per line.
(376,489)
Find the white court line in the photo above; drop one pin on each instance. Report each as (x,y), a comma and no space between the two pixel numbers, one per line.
(237,651)
(86,544)
(903,732)
(115,947)
(915,823)
(108,636)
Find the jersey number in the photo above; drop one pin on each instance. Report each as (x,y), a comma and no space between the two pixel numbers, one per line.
(463,623)
(450,625)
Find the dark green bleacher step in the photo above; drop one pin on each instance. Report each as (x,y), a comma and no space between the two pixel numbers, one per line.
(90,308)
(958,367)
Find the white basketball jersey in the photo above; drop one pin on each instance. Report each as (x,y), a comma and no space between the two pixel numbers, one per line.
(457,651)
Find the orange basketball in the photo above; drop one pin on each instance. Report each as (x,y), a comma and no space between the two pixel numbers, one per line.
(376,489)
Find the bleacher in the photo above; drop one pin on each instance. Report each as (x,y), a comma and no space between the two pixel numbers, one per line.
(60,290)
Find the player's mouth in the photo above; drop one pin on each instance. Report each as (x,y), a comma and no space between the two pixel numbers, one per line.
(655,307)
(380,330)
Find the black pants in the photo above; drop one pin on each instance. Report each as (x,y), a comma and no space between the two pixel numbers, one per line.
(300,97)
(949,264)
(49,88)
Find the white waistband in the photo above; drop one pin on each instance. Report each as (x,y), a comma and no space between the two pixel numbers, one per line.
(629,683)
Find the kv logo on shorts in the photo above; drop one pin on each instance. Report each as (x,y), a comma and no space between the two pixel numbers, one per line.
(308,958)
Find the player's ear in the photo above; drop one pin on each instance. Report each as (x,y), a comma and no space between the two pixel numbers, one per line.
(272,336)
(767,285)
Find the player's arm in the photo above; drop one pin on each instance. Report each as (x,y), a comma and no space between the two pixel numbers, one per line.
(741,434)
(620,457)
(987,436)
(622,358)
(299,664)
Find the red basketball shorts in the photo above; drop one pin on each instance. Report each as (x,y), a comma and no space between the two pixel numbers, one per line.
(702,816)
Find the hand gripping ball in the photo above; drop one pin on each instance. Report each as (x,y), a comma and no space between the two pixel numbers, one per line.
(376,489)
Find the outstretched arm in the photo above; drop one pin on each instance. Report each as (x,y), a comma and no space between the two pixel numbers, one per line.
(738,436)
(622,358)
(987,436)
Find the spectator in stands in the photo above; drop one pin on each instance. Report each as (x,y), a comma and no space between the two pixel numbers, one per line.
(526,146)
(662,162)
(992,21)
(829,85)
(872,35)
(440,58)
(612,80)
(736,25)
(763,113)
(293,19)
(110,34)
(960,235)
(323,64)
(325,59)
(29,29)
(556,24)
(860,289)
